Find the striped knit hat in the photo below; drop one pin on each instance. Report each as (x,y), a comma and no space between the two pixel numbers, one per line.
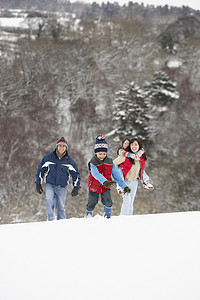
(100,144)
(62,141)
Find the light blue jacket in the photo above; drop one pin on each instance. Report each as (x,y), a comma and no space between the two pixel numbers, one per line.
(115,174)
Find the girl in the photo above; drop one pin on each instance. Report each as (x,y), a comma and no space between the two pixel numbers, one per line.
(122,151)
(131,169)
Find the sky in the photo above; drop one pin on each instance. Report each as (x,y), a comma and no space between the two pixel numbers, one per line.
(195,4)
(140,257)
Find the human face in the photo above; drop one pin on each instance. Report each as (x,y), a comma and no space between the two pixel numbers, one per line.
(125,144)
(101,155)
(134,147)
(61,149)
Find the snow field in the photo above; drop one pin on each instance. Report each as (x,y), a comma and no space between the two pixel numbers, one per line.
(144,257)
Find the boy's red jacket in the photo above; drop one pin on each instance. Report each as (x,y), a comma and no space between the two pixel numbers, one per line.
(105,168)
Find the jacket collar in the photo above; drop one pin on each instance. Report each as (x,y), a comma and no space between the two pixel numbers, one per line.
(56,154)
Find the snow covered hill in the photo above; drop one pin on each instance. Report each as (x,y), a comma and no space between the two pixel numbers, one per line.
(146,257)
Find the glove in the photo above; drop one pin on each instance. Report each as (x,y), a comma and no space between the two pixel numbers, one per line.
(74,191)
(127,190)
(39,188)
(108,184)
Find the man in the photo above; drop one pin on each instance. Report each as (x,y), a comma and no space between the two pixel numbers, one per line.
(55,169)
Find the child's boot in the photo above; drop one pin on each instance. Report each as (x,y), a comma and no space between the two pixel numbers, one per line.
(88,214)
(107,212)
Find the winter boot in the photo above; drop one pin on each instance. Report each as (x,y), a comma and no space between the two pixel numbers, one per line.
(147,185)
(88,214)
(107,212)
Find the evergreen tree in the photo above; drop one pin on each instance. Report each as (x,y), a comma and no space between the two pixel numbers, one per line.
(161,94)
(163,90)
(131,113)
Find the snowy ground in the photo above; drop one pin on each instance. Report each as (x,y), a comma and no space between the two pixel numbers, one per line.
(146,257)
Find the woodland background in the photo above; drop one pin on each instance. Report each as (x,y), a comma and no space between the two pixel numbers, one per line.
(79,70)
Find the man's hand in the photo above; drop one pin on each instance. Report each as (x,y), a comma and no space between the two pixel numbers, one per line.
(74,192)
(39,188)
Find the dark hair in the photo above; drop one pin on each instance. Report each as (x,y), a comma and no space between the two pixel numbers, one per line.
(127,139)
(140,147)
(121,147)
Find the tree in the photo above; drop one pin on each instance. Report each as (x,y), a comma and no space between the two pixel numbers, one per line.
(163,90)
(55,28)
(131,112)
(161,93)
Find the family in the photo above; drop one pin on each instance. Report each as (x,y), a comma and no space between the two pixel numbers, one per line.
(125,171)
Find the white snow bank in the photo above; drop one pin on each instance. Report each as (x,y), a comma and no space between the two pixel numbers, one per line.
(146,257)
(13,22)
(174,64)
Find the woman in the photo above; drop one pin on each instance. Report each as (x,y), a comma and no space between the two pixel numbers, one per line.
(122,151)
(132,169)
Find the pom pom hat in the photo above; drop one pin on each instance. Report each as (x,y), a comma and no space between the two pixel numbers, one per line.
(62,141)
(100,144)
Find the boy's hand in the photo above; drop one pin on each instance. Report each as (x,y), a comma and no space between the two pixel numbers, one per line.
(127,190)
(108,184)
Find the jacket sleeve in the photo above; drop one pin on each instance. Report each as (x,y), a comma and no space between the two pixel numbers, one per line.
(117,177)
(125,153)
(119,160)
(95,173)
(74,172)
(42,169)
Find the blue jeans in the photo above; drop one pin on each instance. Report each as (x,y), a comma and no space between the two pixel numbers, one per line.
(55,195)
(145,177)
(128,199)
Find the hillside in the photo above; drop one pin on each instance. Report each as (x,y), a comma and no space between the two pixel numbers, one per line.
(154,257)
(62,71)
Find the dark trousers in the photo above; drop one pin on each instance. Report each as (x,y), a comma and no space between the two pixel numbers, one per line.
(93,199)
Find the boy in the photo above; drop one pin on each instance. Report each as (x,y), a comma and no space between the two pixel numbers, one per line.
(101,171)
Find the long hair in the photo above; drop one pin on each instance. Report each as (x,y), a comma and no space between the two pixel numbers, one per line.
(121,147)
(140,147)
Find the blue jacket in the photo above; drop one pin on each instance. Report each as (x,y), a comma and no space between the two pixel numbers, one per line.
(56,171)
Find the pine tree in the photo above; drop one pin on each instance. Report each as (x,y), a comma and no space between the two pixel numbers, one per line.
(131,113)
(163,90)
(161,94)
